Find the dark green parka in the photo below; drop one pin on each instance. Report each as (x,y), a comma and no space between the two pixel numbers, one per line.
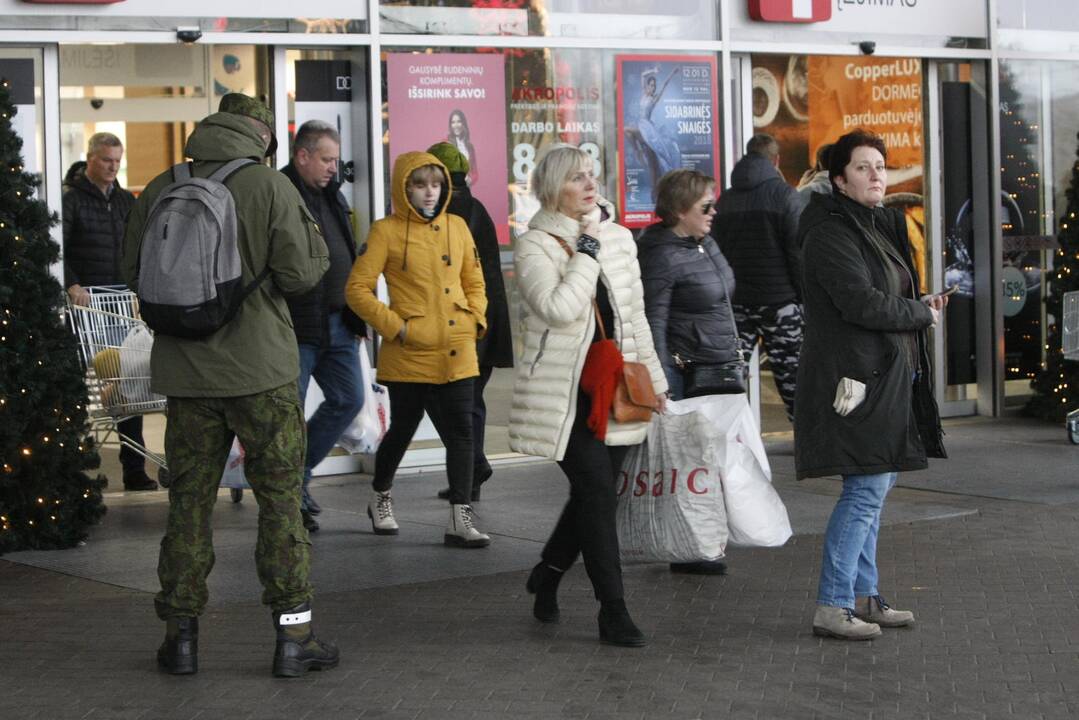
(256,351)
(855,328)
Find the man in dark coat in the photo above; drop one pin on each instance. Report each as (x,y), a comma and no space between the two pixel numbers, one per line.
(95,210)
(757,230)
(326,328)
(495,348)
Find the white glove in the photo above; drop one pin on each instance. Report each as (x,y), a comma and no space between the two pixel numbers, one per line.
(849,394)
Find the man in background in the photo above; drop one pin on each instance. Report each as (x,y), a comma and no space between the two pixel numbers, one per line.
(756,227)
(95,210)
(326,328)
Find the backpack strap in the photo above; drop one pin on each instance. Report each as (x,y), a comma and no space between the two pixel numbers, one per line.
(182,172)
(223,173)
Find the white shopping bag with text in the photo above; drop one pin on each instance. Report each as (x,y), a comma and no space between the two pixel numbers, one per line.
(670,501)
(756,516)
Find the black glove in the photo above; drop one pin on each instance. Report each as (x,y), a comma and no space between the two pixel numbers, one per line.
(588,245)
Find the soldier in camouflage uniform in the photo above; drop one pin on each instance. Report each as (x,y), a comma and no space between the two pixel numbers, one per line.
(239,382)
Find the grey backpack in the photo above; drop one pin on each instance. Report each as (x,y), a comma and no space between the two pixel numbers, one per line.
(190,270)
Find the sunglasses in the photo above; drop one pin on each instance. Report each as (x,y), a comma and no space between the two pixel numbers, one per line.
(707,207)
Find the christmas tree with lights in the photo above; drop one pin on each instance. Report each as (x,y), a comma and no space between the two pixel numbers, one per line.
(1056,387)
(47,500)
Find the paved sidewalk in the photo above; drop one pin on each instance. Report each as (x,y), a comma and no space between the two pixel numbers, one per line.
(981,547)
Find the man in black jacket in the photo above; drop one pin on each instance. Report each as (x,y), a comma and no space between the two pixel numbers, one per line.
(325,327)
(757,230)
(95,210)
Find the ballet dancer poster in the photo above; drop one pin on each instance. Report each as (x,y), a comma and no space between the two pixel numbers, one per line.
(667,119)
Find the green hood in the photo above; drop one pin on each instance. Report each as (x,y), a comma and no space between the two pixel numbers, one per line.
(222,137)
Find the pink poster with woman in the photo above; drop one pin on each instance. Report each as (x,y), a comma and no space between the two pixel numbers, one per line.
(461,99)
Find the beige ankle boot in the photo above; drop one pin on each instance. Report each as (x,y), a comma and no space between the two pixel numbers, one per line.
(380,510)
(841,623)
(875,610)
(460,532)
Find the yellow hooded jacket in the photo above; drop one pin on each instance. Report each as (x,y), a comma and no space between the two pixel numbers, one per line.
(435,286)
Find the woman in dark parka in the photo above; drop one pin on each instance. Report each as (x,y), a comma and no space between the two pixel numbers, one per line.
(495,348)
(865,323)
(688,286)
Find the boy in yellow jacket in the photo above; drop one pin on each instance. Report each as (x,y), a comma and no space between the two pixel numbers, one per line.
(436,312)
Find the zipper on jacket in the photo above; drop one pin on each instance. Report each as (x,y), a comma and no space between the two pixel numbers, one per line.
(543,344)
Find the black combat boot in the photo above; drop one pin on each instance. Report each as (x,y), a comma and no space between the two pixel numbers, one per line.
(298,650)
(179,654)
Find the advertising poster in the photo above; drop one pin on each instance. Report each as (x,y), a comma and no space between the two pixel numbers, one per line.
(458,98)
(807,101)
(667,119)
(884,96)
(556,96)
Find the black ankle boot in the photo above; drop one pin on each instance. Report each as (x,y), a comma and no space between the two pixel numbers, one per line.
(298,650)
(179,654)
(616,626)
(543,583)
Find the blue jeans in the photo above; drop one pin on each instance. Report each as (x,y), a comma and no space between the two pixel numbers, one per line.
(849,566)
(336,368)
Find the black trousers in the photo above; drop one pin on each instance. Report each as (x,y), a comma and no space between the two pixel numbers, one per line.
(587,525)
(130,460)
(481,469)
(450,408)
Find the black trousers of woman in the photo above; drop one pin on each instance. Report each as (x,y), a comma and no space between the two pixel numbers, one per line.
(587,525)
(450,408)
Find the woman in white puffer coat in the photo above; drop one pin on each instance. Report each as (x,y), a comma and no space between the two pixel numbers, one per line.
(574,258)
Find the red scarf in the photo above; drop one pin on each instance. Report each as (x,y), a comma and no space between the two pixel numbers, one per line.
(599,378)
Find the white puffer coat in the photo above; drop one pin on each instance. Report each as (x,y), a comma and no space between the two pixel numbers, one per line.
(559,324)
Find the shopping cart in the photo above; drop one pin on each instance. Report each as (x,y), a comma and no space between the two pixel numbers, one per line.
(114,345)
(1070,346)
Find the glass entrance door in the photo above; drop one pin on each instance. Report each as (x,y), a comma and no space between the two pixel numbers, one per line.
(960,235)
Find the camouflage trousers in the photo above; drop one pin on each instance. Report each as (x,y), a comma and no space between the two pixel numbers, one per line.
(780,326)
(199,434)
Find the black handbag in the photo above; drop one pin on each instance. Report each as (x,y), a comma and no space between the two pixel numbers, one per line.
(727,378)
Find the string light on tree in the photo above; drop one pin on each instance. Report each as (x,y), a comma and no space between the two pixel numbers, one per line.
(46,498)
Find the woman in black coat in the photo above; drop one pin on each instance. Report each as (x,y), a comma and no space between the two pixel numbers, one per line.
(495,348)
(865,406)
(688,286)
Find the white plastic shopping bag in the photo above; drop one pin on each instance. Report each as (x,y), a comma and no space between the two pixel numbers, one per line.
(135,366)
(670,501)
(366,431)
(756,516)
(233,477)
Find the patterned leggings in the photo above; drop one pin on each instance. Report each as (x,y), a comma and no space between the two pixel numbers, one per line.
(780,326)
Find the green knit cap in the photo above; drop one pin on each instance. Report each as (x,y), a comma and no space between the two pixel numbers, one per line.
(240,104)
(450,156)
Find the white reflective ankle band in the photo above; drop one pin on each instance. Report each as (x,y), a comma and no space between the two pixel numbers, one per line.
(295,619)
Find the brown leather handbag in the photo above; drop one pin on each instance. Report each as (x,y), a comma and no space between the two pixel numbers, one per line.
(634,397)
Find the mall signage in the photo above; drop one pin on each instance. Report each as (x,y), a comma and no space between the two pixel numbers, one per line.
(790,11)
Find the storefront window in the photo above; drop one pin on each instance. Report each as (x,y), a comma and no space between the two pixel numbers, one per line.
(637,115)
(1039,106)
(330,85)
(652,19)
(150,96)
(22,68)
(808,101)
